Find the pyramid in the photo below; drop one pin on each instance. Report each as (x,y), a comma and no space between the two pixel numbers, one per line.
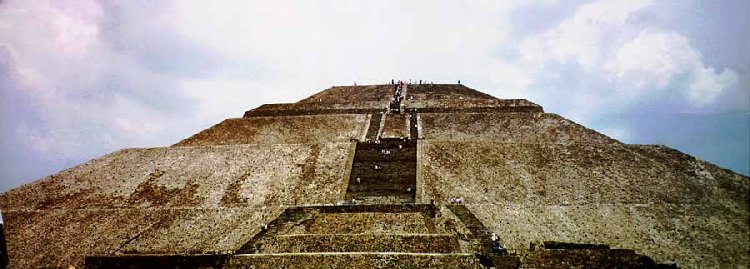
(384,176)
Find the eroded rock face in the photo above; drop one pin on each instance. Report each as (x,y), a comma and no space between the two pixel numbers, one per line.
(526,175)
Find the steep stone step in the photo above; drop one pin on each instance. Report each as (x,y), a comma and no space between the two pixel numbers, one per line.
(387,144)
(367,223)
(403,179)
(386,196)
(426,209)
(384,188)
(354,260)
(367,198)
(392,175)
(368,168)
(396,155)
(417,243)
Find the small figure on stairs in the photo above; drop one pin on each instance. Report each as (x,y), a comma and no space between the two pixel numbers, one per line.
(497,248)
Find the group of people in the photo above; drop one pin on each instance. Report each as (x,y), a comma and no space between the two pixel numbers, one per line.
(415,82)
(396,99)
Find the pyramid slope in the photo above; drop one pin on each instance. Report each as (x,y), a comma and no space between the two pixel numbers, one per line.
(528,175)
(655,200)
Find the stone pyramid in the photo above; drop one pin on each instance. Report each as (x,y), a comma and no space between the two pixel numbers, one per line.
(385,176)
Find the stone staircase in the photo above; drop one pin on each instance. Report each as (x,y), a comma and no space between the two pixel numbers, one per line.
(355,236)
(387,169)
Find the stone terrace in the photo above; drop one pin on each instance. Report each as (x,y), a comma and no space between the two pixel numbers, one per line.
(523,128)
(352,94)
(283,130)
(444,91)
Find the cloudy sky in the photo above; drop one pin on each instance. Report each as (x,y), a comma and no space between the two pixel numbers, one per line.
(80,79)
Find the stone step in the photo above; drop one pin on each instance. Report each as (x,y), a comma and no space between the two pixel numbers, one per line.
(353,260)
(384,196)
(385,168)
(368,198)
(384,188)
(396,155)
(385,208)
(369,179)
(392,143)
(415,243)
(366,223)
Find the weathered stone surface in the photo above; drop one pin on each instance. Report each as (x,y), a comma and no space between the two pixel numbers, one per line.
(208,176)
(59,238)
(282,130)
(655,200)
(166,200)
(521,128)
(198,231)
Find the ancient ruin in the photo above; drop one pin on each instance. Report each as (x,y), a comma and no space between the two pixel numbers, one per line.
(385,176)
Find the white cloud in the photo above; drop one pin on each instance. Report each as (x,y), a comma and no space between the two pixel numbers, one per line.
(654,58)
(625,61)
(81,97)
(706,84)
(509,79)
(581,37)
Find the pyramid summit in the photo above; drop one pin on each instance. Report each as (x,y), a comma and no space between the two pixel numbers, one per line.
(393,175)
